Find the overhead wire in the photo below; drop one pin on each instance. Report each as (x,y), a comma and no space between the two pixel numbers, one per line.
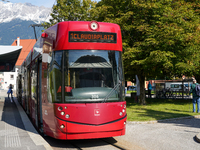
(40,27)
(37,31)
(45,19)
(47,16)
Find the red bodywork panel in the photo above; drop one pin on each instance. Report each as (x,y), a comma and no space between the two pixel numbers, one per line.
(59,35)
(90,120)
(91,113)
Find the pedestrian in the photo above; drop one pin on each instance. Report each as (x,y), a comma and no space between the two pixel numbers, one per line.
(149,89)
(196,98)
(125,90)
(10,90)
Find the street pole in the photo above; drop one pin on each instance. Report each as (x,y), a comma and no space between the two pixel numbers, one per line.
(36,25)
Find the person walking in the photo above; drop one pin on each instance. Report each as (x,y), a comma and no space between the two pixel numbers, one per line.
(196,98)
(149,89)
(10,90)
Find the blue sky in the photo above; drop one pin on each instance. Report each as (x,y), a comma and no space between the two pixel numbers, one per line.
(46,3)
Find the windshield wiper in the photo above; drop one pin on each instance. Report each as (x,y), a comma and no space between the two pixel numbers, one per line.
(109,94)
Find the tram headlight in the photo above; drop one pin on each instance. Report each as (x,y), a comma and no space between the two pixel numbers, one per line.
(67,116)
(60,108)
(124,105)
(120,113)
(62,126)
(123,110)
(62,113)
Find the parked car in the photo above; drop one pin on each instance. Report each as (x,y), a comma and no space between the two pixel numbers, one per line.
(132,88)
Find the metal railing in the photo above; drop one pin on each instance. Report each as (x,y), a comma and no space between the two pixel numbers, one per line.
(174,94)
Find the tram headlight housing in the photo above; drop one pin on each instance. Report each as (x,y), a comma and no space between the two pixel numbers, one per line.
(60,108)
(62,113)
(94,25)
(62,126)
(67,116)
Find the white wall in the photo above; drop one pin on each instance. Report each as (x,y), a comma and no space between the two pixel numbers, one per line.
(10,78)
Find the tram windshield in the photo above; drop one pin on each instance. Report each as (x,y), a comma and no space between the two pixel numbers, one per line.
(81,76)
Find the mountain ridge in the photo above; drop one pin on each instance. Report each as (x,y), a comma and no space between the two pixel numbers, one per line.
(9,31)
(15,21)
(23,11)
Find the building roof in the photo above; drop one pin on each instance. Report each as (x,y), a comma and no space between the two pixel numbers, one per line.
(8,57)
(27,45)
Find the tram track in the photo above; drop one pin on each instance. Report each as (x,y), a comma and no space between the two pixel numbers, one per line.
(97,144)
(75,146)
(107,143)
(114,144)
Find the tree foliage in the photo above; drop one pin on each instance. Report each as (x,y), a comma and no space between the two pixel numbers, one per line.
(71,10)
(160,38)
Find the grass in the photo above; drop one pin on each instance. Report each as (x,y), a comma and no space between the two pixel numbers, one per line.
(129,92)
(158,109)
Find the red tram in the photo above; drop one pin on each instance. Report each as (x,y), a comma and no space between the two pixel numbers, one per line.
(72,85)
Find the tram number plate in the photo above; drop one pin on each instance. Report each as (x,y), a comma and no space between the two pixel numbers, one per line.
(95,96)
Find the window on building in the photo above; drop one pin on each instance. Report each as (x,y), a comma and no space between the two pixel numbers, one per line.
(11,77)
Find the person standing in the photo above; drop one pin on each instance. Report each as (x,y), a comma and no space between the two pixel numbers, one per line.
(196,98)
(10,90)
(125,90)
(149,89)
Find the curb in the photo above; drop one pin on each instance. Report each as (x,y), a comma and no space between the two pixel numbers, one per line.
(164,120)
(34,135)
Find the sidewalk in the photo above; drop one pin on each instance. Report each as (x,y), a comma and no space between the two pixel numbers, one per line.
(197,137)
(16,130)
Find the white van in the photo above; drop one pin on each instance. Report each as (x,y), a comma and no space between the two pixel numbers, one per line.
(177,86)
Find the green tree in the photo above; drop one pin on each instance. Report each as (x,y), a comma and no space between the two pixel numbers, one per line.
(160,38)
(71,10)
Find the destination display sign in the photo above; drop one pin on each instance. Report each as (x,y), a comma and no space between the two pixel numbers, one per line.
(99,37)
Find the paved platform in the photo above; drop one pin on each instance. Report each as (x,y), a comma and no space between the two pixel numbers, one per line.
(16,130)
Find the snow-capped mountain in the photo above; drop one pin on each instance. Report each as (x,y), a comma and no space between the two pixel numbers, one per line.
(15,21)
(24,11)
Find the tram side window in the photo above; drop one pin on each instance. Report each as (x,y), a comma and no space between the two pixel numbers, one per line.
(55,77)
(33,82)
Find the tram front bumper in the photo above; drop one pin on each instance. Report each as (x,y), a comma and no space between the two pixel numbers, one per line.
(71,130)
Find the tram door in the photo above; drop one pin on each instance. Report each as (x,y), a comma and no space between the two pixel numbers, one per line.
(39,119)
